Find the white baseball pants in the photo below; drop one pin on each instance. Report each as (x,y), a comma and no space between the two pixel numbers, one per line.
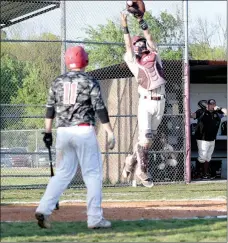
(76,145)
(205,150)
(150,114)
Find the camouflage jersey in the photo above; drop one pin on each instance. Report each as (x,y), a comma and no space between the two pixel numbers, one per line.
(76,97)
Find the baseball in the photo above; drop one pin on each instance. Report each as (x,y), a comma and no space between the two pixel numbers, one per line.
(129,3)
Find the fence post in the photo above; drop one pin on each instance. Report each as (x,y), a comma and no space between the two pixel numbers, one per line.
(63,35)
(186,97)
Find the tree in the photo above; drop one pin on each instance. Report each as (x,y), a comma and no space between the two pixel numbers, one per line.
(204,35)
(166,29)
(104,55)
(172,54)
(12,75)
(40,65)
(203,51)
(33,93)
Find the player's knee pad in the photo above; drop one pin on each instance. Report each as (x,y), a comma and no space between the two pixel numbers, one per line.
(147,138)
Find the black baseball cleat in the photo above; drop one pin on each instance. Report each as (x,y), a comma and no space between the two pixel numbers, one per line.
(43,220)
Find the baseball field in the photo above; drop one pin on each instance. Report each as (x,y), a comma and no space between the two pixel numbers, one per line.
(165,213)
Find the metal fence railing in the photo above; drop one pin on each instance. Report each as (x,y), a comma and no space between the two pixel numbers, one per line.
(31,59)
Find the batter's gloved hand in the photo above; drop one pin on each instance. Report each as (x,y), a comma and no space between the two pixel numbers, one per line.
(47,139)
(111,141)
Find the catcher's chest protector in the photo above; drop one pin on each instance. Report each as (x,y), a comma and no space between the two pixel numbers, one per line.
(150,74)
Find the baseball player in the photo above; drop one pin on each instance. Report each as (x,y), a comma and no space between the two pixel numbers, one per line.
(208,121)
(74,98)
(144,62)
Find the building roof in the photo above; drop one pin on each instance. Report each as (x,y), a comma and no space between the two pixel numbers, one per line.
(201,71)
(15,11)
(208,72)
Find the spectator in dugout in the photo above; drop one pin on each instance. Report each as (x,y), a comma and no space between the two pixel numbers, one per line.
(208,121)
(163,165)
(168,159)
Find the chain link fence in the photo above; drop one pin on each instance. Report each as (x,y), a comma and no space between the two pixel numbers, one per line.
(32,56)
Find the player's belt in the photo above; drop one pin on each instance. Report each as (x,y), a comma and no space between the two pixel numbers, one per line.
(152,98)
(84,124)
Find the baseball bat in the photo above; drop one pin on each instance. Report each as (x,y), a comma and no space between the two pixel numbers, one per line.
(52,172)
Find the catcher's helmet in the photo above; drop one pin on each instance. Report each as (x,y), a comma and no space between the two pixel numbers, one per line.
(76,57)
(142,48)
(136,39)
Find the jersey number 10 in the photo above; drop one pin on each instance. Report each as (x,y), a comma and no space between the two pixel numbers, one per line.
(69,93)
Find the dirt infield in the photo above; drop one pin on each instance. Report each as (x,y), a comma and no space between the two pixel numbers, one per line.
(122,210)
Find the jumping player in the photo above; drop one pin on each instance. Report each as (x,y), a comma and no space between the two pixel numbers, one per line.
(144,62)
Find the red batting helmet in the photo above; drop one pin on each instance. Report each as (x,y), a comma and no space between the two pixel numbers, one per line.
(76,57)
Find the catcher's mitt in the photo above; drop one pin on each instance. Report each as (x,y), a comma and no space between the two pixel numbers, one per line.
(136,7)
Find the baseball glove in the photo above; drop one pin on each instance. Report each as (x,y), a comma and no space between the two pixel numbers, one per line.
(202,104)
(136,7)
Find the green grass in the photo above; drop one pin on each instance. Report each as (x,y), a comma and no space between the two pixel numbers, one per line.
(25,171)
(24,181)
(11,181)
(159,192)
(198,230)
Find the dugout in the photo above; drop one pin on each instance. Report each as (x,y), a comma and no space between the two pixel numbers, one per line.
(209,80)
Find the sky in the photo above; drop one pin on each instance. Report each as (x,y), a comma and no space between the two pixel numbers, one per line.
(82,13)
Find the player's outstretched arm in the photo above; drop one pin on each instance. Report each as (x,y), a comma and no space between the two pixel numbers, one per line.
(127,37)
(149,38)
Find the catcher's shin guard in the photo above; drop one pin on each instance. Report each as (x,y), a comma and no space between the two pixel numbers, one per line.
(129,166)
(142,169)
(142,157)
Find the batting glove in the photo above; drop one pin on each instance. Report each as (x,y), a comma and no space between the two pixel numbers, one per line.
(111,141)
(47,139)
